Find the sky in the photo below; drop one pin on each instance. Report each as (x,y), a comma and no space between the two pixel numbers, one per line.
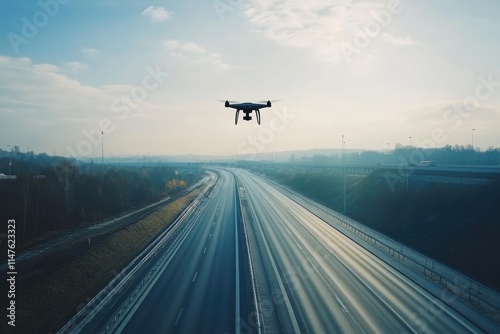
(150,74)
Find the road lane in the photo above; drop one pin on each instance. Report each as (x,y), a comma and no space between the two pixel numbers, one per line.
(331,283)
(201,289)
(313,279)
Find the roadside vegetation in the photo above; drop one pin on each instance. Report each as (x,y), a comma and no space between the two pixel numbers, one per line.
(449,219)
(51,194)
(55,298)
(449,155)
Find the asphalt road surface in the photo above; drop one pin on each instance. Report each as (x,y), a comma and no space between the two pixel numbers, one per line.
(320,281)
(309,277)
(204,287)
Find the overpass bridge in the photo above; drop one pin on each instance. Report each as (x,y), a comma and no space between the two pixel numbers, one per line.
(464,171)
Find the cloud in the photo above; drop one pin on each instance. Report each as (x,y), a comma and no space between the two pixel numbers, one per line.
(320,26)
(34,88)
(156,14)
(49,107)
(89,51)
(189,47)
(190,51)
(41,107)
(397,40)
(75,66)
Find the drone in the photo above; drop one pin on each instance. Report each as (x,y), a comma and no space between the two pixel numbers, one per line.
(247,108)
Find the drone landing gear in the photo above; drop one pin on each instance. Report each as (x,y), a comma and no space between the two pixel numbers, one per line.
(236,117)
(247,116)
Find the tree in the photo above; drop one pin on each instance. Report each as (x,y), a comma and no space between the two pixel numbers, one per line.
(175,185)
(67,187)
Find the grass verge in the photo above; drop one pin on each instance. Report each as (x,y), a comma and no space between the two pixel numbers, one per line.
(47,304)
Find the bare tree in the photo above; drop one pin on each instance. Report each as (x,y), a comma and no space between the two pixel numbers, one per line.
(67,186)
(25,194)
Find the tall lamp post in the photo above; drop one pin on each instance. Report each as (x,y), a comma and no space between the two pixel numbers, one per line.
(343,172)
(407,172)
(10,161)
(473,139)
(102,152)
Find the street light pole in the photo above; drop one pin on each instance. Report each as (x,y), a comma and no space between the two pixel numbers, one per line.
(102,152)
(10,161)
(343,172)
(342,145)
(410,140)
(473,139)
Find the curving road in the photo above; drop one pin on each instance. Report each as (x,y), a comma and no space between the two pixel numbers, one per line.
(203,285)
(307,276)
(313,279)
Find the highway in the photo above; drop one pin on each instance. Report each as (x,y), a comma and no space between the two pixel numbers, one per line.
(307,276)
(203,287)
(319,281)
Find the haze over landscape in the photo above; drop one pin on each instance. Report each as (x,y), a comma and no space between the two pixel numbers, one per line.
(359,191)
(378,72)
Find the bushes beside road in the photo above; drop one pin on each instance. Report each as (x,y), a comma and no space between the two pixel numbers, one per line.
(57,297)
(44,199)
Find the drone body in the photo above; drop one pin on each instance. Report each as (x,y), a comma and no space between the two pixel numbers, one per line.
(247,108)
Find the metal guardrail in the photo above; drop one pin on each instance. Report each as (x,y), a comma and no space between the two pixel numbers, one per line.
(472,289)
(122,278)
(250,259)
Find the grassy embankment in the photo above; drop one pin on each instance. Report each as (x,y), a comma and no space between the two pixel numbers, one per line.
(456,223)
(46,305)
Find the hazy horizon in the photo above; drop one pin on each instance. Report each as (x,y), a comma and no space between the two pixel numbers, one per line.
(149,74)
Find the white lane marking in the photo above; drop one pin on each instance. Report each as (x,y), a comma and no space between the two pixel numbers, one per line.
(178,317)
(195,274)
(205,250)
(178,242)
(388,267)
(237,313)
(210,236)
(288,305)
(340,301)
(309,259)
(400,317)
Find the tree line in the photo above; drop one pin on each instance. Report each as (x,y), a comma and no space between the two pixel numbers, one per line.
(43,198)
(401,154)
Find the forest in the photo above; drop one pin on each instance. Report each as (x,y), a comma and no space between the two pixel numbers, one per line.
(51,193)
(405,154)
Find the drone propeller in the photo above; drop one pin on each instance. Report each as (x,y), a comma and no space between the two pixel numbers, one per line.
(229,101)
(268,100)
